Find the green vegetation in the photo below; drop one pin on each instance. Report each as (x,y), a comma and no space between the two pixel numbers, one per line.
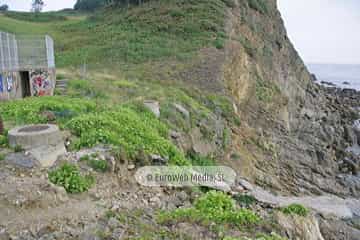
(18,149)
(3,141)
(94,163)
(198,160)
(69,177)
(259,5)
(249,48)
(214,207)
(272,236)
(99,165)
(224,106)
(157,30)
(83,88)
(88,5)
(265,91)
(141,228)
(296,209)
(29,111)
(2,157)
(35,17)
(128,128)
(230,3)
(245,200)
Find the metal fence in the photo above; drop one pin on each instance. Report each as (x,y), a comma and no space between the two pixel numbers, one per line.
(25,52)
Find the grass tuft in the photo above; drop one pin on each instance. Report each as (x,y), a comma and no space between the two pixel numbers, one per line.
(295,209)
(214,207)
(69,177)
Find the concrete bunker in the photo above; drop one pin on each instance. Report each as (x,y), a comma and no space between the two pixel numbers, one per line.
(43,141)
(27,66)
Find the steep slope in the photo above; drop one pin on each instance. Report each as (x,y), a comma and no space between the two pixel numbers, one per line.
(231,90)
(291,120)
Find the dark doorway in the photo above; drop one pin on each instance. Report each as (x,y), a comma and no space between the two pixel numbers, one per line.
(25,84)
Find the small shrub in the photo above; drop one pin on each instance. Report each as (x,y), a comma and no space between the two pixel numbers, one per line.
(259,5)
(3,141)
(229,3)
(18,149)
(84,158)
(98,165)
(272,236)
(245,200)
(69,177)
(296,209)
(265,91)
(212,207)
(249,48)
(198,160)
(125,84)
(2,157)
(219,43)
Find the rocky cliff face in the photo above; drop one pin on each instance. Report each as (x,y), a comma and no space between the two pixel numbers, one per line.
(293,132)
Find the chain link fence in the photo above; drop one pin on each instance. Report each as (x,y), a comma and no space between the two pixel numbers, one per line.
(25,52)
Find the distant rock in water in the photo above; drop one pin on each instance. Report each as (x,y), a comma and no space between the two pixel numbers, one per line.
(346,83)
(313,77)
(328,83)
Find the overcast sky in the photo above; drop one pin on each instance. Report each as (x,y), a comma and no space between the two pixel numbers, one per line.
(323,31)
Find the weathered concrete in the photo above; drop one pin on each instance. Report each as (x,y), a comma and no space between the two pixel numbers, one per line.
(44,142)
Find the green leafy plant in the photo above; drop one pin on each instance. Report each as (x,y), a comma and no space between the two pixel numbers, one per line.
(212,207)
(3,141)
(219,43)
(94,163)
(245,200)
(272,236)
(265,90)
(129,128)
(198,160)
(2,157)
(98,165)
(28,111)
(296,209)
(18,149)
(230,3)
(259,5)
(69,177)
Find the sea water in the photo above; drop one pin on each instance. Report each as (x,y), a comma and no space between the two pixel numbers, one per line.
(338,74)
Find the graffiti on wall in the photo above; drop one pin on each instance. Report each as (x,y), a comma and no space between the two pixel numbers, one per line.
(41,83)
(1,84)
(10,82)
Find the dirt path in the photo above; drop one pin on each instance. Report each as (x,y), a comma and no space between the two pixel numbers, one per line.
(17,218)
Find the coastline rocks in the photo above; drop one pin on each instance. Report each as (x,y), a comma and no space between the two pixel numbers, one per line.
(356,128)
(328,83)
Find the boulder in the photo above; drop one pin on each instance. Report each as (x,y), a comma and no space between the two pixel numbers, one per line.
(297,227)
(153,106)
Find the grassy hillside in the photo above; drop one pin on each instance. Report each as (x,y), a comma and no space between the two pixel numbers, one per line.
(156,30)
(129,41)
